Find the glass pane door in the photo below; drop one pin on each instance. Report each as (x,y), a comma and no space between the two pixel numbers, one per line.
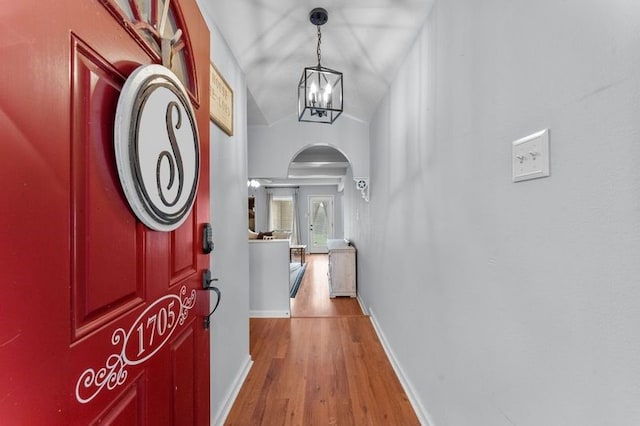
(320,222)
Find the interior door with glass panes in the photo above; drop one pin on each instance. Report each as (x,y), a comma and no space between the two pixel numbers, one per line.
(320,222)
(101,317)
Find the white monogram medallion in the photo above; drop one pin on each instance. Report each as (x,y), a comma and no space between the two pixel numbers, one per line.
(157,147)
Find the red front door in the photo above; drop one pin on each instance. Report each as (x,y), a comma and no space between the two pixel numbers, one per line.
(101,318)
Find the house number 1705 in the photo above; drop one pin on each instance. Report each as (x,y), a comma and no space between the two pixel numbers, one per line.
(164,319)
(146,336)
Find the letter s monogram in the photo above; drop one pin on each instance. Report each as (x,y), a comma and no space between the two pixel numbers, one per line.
(173,164)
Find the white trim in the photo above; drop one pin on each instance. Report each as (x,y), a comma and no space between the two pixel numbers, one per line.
(269,314)
(233,393)
(361,303)
(423,416)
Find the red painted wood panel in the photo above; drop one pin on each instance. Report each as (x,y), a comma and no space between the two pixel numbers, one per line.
(127,409)
(183,250)
(105,236)
(183,372)
(88,292)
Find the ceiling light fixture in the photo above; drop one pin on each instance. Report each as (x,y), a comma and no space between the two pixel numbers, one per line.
(320,88)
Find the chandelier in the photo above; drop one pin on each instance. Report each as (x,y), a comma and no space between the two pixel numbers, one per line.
(320,88)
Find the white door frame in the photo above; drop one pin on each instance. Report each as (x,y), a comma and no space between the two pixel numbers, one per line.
(311,248)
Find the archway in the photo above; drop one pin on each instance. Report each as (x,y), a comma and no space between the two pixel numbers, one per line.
(323,164)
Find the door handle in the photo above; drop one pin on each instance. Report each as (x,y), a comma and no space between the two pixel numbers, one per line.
(206,285)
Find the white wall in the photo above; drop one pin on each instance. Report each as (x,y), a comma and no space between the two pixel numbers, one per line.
(511,303)
(271,148)
(269,283)
(230,259)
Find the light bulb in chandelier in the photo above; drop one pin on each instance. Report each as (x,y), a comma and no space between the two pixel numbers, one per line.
(313,94)
(327,96)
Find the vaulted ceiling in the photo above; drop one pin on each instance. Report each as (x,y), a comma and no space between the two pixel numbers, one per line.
(273,41)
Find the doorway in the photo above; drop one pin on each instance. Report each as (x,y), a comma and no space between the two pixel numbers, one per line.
(321,222)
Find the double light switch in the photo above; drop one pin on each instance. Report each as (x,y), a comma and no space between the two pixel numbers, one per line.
(530,156)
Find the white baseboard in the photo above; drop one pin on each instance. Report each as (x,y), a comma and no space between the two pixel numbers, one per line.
(233,393)
(269,314)
(423,416)
(361,303)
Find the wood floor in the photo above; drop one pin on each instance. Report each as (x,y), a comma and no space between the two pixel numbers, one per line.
(324,366)
(313,299)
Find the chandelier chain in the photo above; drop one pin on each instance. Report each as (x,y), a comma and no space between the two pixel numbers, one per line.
(319,41)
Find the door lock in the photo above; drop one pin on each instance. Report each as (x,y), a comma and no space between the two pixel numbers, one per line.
(207,238)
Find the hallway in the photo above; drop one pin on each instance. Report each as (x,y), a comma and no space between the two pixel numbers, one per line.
(324,366)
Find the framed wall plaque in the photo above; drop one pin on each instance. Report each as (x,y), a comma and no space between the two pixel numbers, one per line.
(221,101)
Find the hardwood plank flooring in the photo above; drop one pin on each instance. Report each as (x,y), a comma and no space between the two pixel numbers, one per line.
(313,299)
(319,370)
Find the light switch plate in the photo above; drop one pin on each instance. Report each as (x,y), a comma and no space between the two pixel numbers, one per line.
(530,156)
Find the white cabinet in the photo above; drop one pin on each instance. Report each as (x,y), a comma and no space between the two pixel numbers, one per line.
(342,268)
